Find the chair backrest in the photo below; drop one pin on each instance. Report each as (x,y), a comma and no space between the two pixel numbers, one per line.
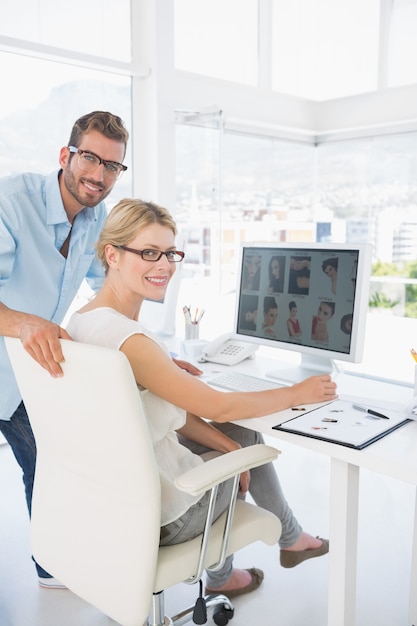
(103,545)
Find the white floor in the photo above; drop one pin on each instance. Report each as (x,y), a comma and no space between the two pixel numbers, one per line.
(294,597)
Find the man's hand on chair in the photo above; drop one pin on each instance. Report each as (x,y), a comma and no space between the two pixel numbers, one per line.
(40,338)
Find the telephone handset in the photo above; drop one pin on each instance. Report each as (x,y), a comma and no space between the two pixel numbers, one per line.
(227,351)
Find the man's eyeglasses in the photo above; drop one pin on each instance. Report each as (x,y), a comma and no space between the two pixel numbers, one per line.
(173,256)
(89,161)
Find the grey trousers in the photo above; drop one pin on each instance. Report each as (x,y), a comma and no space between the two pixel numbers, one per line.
(264,488)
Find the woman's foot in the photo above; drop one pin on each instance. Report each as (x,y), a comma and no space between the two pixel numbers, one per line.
(305,542)
(241,581)
(306,547)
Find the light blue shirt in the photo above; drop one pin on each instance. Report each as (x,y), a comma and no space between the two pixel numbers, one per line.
(34,276)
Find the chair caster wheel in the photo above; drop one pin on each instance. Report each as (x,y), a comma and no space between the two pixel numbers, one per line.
(221,614)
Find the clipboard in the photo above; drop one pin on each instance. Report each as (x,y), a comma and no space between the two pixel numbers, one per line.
(339,422)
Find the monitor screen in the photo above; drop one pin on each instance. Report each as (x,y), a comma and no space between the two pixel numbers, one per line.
(309,298)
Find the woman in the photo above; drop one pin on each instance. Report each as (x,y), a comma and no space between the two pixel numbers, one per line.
(276,274)
(270,311)
(248,312)
(329,267)
(293,323)
(251,272)
(299,279)
(137,249)
(325,312)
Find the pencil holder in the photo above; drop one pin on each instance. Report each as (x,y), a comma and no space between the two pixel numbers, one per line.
(193,348)
(415,380)
(192,331)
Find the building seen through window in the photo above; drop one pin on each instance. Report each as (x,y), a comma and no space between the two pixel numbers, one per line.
(360,191)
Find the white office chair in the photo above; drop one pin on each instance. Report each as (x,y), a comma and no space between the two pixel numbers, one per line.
(96,502)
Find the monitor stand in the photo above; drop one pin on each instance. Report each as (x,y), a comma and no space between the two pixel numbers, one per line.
(309,366)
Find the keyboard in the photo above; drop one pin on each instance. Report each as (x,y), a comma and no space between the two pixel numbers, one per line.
(235,381)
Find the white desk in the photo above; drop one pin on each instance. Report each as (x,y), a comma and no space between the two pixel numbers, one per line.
(394,455)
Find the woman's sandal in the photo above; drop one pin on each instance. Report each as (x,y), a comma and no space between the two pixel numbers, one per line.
(291,558)
(257,577)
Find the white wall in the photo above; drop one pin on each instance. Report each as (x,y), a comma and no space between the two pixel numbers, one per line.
(392,110)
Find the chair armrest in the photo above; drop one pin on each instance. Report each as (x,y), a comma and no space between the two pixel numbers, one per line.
(205,476)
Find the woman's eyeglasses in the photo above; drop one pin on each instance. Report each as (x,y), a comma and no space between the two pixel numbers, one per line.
(173,256)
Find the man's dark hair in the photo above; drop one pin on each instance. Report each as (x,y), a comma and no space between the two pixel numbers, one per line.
(109,125)
(270,303)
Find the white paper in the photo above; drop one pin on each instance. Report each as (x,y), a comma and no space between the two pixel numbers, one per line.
(340,422)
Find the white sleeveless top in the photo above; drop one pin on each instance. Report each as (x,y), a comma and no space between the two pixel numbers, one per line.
(108,328)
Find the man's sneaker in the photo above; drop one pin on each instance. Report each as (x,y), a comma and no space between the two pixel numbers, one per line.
(50,583)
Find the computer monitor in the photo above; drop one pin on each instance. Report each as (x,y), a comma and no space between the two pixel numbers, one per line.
(310,298)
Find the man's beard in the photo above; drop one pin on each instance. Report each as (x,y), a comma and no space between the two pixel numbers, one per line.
(71,184)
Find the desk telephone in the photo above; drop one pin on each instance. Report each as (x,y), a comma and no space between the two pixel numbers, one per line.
(227,351)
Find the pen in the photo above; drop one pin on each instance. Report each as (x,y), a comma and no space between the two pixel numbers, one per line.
(187,314)
(370,411)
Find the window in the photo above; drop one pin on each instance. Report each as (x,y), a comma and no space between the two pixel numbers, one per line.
(268,189)
(325,49)
(218,38)
(402,68)
(42,97)
(198,205)
(97,27)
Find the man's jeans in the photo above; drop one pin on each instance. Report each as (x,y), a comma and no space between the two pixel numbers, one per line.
(19,435)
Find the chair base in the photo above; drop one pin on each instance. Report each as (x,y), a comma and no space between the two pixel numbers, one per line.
(223,611)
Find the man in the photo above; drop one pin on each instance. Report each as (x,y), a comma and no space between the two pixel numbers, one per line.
(48,229)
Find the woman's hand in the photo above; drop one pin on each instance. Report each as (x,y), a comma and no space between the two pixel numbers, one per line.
(244,483)
(188,367)
(319,388)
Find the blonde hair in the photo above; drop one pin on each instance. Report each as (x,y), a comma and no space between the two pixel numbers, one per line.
(126,219)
